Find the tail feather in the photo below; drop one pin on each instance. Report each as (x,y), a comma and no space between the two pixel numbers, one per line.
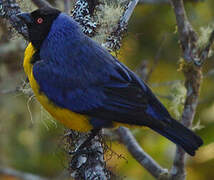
(180,135)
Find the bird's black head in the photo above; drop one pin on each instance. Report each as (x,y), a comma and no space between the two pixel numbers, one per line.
(39,23)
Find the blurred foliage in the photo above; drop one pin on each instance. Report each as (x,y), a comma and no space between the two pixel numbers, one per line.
(30,141)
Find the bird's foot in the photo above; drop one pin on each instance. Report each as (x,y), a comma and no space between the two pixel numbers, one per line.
(83,151)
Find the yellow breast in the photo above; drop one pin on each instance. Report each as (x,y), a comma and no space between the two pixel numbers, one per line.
(70,119)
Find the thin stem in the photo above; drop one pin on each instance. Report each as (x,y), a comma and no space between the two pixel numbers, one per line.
(139,154)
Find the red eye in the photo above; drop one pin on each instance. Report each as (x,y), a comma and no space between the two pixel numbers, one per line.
(39,20)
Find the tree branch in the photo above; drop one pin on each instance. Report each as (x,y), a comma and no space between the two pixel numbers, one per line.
(113,42)
(187,35)
(193,77)
(140,155)
(193,80)
(89,164)
(83,14)
(128,12)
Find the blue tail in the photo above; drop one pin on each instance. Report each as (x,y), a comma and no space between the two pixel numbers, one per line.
(180,135)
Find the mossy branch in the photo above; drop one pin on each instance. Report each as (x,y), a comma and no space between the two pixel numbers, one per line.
(8,10)
(191,67)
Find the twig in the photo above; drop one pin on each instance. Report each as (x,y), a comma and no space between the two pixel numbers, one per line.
(193,76)
(23,88)
(113,42)
(187,35)
(41,3)
(193,80)
(141,156)
(19,174)
(129,10)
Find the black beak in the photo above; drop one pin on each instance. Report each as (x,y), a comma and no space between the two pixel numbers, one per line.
(25,17)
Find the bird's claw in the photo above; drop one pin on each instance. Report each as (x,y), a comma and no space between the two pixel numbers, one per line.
(80,151)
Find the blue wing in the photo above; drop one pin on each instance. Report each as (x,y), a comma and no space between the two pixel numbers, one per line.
(94,83)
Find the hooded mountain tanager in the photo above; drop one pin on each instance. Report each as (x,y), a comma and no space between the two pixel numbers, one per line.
(83,86)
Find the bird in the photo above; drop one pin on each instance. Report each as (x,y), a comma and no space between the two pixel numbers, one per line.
(86,88)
